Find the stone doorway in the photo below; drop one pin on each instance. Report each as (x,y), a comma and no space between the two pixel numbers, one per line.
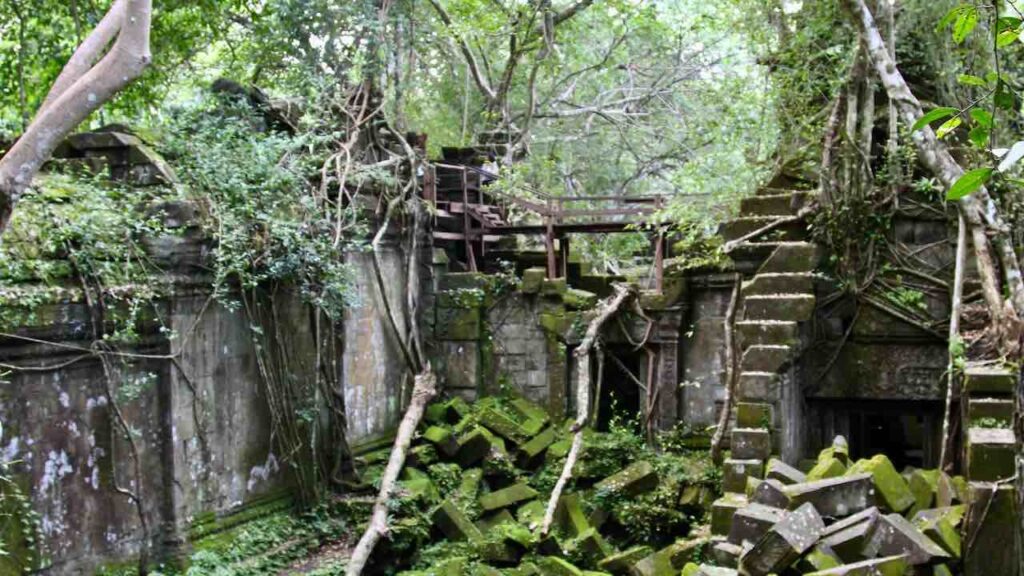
(620,395)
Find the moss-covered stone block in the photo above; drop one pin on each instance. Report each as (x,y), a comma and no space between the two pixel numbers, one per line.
(454,524)
(575,299)
(531,452)
(924,485)
(569,515)
(942,532)
(890,488)
(736,471)
(533,279)
(753,415)
(636,478)
(502,425)
(990,454)
(589,545)
(555,287)
(465,281)
(442,438)
(458,324)
(531,513)
(722,511)
(622,562)
(827,467)
(554,566)
(506,497)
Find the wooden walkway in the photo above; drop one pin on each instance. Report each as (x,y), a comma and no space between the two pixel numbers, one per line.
(474,218)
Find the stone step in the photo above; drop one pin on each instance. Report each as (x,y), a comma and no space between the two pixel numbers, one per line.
(754,251)
(754,332)
(775,191)
(765,358)
(992,409)
(792,257)
(758,387)
(990,454)
(787,307)
(739,227)
(990,380)
(779,283)
(772,204)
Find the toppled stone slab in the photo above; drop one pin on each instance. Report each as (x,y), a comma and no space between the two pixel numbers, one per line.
(827,467)
(636,478)
(749,524)
(531,452)
(722,511)
(442,439)
(779,470)
(506,497)
(622,562)
(821,557)
(726,554)
(454,524)
(835,497)
(894,535)
(888,566)
(569,515)
(849,542)
(670,559)
(474,446)
(941,531)
(502,425)
(892,490)
(557,567)
(770,492)
(784,543)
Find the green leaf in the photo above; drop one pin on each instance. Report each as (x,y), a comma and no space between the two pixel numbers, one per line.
(982,117)
(1004,98)
(969,80)
(948,126)
(1007,37)
(936,114)
(968,183)
(948,18)
(965,23)
(978,136)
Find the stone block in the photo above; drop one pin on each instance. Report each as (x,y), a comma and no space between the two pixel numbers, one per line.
(575,299)
(502,425)
(992,523)
(491,521)
(590,546)
(531,513)
(750,523)
(529,411)
(636,478)
(705,570)
(532,280)
(735,473)
(840,449)
(792,257)
(759,387)
(751,444)
(779,470)
(784,543)
(827,467)
(753,415)
(941,531)
(990,409)
(722,511)
(848,541)
(514,494)
(779,283)
(821,557)
(952,514)
(474,446)
(469,485)
(782,307)
(990,454)
(442,439)
(464,281)
(531,452)
(765,358)
(458,324)
(924,485)
(891,489)
(726,554)
(770,492)
(835,497)
(670,559)
(622,562)
(554,566)
(894,535)
(753,332)
(569,515)
(888,566)
(454,524)
(989,380)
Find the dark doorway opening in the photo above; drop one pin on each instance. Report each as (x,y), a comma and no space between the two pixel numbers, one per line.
(620,395)
(907,431)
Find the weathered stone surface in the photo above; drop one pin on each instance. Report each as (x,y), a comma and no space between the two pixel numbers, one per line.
(827,467)
(636,478)
(557,567)
(821,557)
(454,524)
(735,473)
(474,446)
(758,387)
(988,380)
(532,280)
(784,543)
(622,562)
(569,515)
(705,570)
(952,514)
(469,486)
(895,535)
(785,307)
(502,425)
(779,470)
(775,283)
(888,566)
(765,357)
(990,454)
(669,559)
(589,545)
(991,523)
(442,439)
(530,452)
(726,554)
(836,497)
(891,489)
(752,522)
(792,257)
(493,520)
(754,415)
(753,332)
(575,299)
(924,485)
(941,531)
(770,492)
(849,542)
(722,511)
(751,444)
(506,497)
(991,409)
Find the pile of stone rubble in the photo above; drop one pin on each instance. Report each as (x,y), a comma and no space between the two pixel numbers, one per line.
(840,518)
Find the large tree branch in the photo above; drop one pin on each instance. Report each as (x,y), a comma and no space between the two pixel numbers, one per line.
(123,63)
(572,11)
(474,68)
(978,208)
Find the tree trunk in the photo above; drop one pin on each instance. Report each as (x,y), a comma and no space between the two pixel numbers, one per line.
(81,89)
(605,311)
(954,336)
(978,208)
(424,390)
(730,372)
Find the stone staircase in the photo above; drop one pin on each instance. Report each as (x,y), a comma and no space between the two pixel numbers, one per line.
(777,296)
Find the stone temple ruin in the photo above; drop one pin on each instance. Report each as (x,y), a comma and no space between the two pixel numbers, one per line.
(832,445)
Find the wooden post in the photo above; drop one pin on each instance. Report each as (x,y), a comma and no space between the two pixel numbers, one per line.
(659,261)
(549,243)
(470,259)
(563,246)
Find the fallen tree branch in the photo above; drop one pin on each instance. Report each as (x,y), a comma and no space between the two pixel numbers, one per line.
(605,310)
(954,337)
(732,244)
